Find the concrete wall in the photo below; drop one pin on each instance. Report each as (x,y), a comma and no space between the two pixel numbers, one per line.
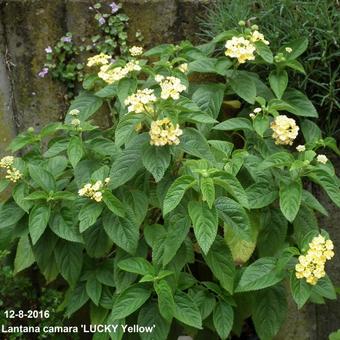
(28,26)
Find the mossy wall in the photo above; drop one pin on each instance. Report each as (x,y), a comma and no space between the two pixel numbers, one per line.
(28,26)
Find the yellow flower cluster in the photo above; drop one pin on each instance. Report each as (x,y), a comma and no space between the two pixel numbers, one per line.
(111,75)
(140,101)
(94,191)
(136,51)
(240,48)
(12,173)
(257,36)
(284,129)
(171,86)
(322,159)
(183,68)
(163,132)
(98,60)
(312,265)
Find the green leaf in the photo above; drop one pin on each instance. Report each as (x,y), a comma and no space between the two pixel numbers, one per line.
(94,289)
(56,148)
(277,159)
(278,81)
(4,184)
(261,194)
(260,274)
(264,52)
(234,124)
(269,312)
(42,178)
(128,163)
(126,127)
(38,220)
(19,193)
(136,265)
(203,65)
(186,311)
(63,224)
(295,65)
(290,198)
(113,203)
(87,104)
(244,86)
(301,105)
(126,86)
(298,46)
(75,150)
(223,318)
(123,232)
(69,258)
(231,184)
(178,225)
(21,141)
(166,303)
(88,215)
(130,300)
(156,160)
(309,200)
(77,298)
(108,91)
(195,144)
(221,264)
(300,289)
(176,192)
(24,257)
(208,190)
(261,124)
(325,288)
(327,182)
(209,98)
(205,224)
(149,315)
(10,214)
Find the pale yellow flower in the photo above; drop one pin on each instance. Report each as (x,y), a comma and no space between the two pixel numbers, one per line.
(240,48)
(171,87)
(322,159)
(6,162)
(163,132)
(136,51)
(288,49)
(284,129)
(183,67)
(257,36)
(140,101)
(301,148)
(98,60)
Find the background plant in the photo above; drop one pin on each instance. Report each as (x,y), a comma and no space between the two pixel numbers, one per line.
(283,21)
(179,215)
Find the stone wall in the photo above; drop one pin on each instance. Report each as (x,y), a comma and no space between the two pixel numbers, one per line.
(28,26)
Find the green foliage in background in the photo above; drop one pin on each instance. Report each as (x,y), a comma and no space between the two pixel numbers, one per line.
(283,21)
(180,215)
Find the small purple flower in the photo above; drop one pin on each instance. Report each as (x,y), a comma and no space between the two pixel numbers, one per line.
(66,39)
(43,73)
(101,21)
(48,49)
(114,7)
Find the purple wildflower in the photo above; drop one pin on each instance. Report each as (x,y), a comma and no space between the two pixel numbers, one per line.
(101,21)
(114,7)
(66,39)
(48,49)
(43,73)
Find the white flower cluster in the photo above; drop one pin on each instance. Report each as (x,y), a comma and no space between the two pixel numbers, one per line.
(253,114)
(171,86)
(163,132)
(111,75)
(94,191)
(141,101)
(284,129)
(322,159)
(301,148)
(98,60)
(75,121)
(136,51)
(240,48)
(257,36)
(12,173)
(183,68)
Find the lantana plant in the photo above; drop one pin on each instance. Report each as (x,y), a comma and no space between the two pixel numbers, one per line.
(184,214)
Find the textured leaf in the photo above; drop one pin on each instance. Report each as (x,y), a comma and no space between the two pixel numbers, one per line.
(75,150)
(290,198)
(42,178)
(166,303)
(223,318)
(244,86)
(156,160)
(88,215)
(24,257)
(38,220)
(136,265)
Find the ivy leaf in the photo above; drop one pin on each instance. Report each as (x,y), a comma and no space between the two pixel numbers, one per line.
(166,303)
(176,192)
(260,274)
(290,198)
(38,220)
(156,160)
(205,223)
(130,300)
(186,311)
(75,150)
(223,318)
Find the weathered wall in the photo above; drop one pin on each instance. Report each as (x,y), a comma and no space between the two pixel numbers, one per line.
(28,26)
